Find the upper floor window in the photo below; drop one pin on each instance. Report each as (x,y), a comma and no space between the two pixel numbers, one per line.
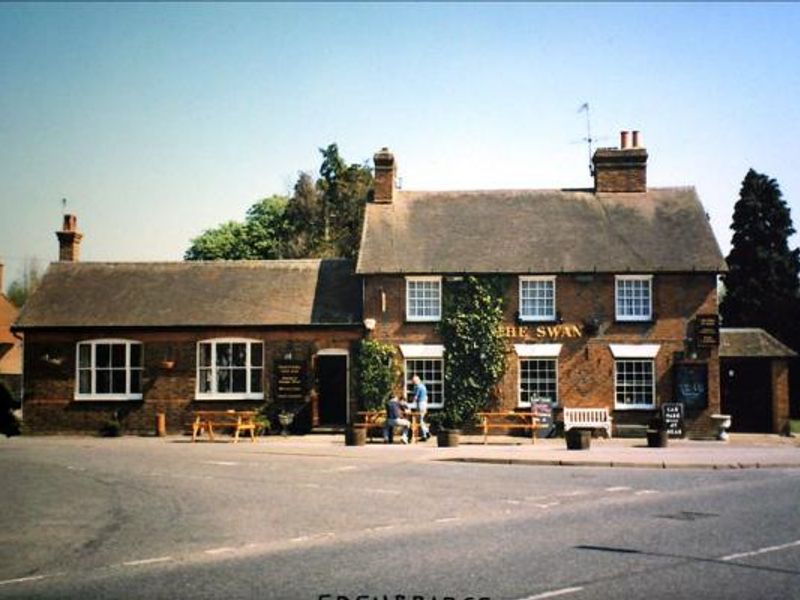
(230,369)
(537,298)
(423,298)
(634,297)
(109,370)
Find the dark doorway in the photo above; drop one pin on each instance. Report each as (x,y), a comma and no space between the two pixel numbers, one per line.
(332,378)
(747,394)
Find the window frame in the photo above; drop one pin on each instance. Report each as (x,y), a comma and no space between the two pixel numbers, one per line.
(407,373)
(527,404)
(248,367)
(625,406)
(423,318)
(537,318)
(633,318)
(94,395)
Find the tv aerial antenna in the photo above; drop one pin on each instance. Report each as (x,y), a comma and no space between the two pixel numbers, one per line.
(588,139)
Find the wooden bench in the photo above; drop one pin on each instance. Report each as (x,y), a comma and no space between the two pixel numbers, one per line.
(587,418)
(239,421)
(509,420)
(375,419)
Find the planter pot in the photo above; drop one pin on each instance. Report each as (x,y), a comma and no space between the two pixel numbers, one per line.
(167,364)
(355,436)
(579,439)
(448,438)
(657,438)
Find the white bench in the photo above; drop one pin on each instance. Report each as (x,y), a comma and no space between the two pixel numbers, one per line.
(587,418)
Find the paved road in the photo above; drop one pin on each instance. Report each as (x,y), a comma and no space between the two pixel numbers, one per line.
(141,518)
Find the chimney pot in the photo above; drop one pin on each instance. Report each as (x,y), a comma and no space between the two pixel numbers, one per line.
(2,266)
(385,169)
(69,240)
(635,138)
(624,140)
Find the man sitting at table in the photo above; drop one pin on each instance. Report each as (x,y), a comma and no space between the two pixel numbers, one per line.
(395,416)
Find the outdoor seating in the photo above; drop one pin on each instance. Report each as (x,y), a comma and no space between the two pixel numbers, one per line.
(508,420)
(587,418)
(375,419)
(239,421)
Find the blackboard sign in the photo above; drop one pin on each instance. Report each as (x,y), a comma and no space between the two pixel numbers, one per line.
(289,377)
(691,385)
(673,418)
(544,419)
(706,330)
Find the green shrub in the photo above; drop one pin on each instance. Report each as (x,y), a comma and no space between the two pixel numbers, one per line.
(376,373)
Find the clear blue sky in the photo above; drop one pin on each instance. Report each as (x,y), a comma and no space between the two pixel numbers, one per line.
(158,121)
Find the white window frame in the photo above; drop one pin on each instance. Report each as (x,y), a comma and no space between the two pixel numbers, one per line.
(93,395)
(633,318)
(214,395)
(408,374)
(526,403)
(626,406)
(545,278)
(423,318)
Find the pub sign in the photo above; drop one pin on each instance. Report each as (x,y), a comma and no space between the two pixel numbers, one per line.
(706,330)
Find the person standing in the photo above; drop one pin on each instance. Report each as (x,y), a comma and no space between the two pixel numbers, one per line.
(395,416)
(421,403)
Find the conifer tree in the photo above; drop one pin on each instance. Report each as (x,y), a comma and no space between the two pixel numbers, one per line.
(761,286)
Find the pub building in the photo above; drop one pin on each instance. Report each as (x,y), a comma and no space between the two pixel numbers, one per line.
(611,302)
(605,286)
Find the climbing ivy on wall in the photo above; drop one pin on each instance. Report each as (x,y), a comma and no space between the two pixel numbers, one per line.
(474,349)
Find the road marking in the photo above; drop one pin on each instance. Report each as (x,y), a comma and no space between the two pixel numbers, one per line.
(220,550)
(224,463)
(575,493)
(381,528)
(554,593)
(310,485)
(548,504)
(645,492)
(24,579)
(318,536)
(761,551)
(347,468)
(147,561)
(618,488)
(535,498)
(510,501)
(447,519)
(71,468)
(381,491)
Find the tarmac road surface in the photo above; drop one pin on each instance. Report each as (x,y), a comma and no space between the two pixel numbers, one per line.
(145,518)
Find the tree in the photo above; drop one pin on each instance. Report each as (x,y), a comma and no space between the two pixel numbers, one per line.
(262,235)
(344,190)
(321,219)
(761,286)
(21,288)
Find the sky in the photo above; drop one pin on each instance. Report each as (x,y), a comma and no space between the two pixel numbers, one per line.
(157,121)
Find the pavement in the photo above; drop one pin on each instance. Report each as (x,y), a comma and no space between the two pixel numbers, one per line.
(741,451)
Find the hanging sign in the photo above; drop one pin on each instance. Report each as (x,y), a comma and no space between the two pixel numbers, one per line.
(706,330)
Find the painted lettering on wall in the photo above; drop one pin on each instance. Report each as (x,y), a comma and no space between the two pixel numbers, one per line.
(541,332)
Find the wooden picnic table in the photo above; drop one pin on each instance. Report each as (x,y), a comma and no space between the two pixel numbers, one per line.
(242,420)
(509,420)
(372,419)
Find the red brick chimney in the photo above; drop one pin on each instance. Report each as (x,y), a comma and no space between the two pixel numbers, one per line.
(69,240)
(385,170)
(622,169)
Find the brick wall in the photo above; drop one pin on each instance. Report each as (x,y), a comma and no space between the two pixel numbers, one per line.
(585,365)
(780,395)
(49,404)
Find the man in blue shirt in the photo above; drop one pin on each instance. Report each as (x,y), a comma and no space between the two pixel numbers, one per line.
(421,403)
